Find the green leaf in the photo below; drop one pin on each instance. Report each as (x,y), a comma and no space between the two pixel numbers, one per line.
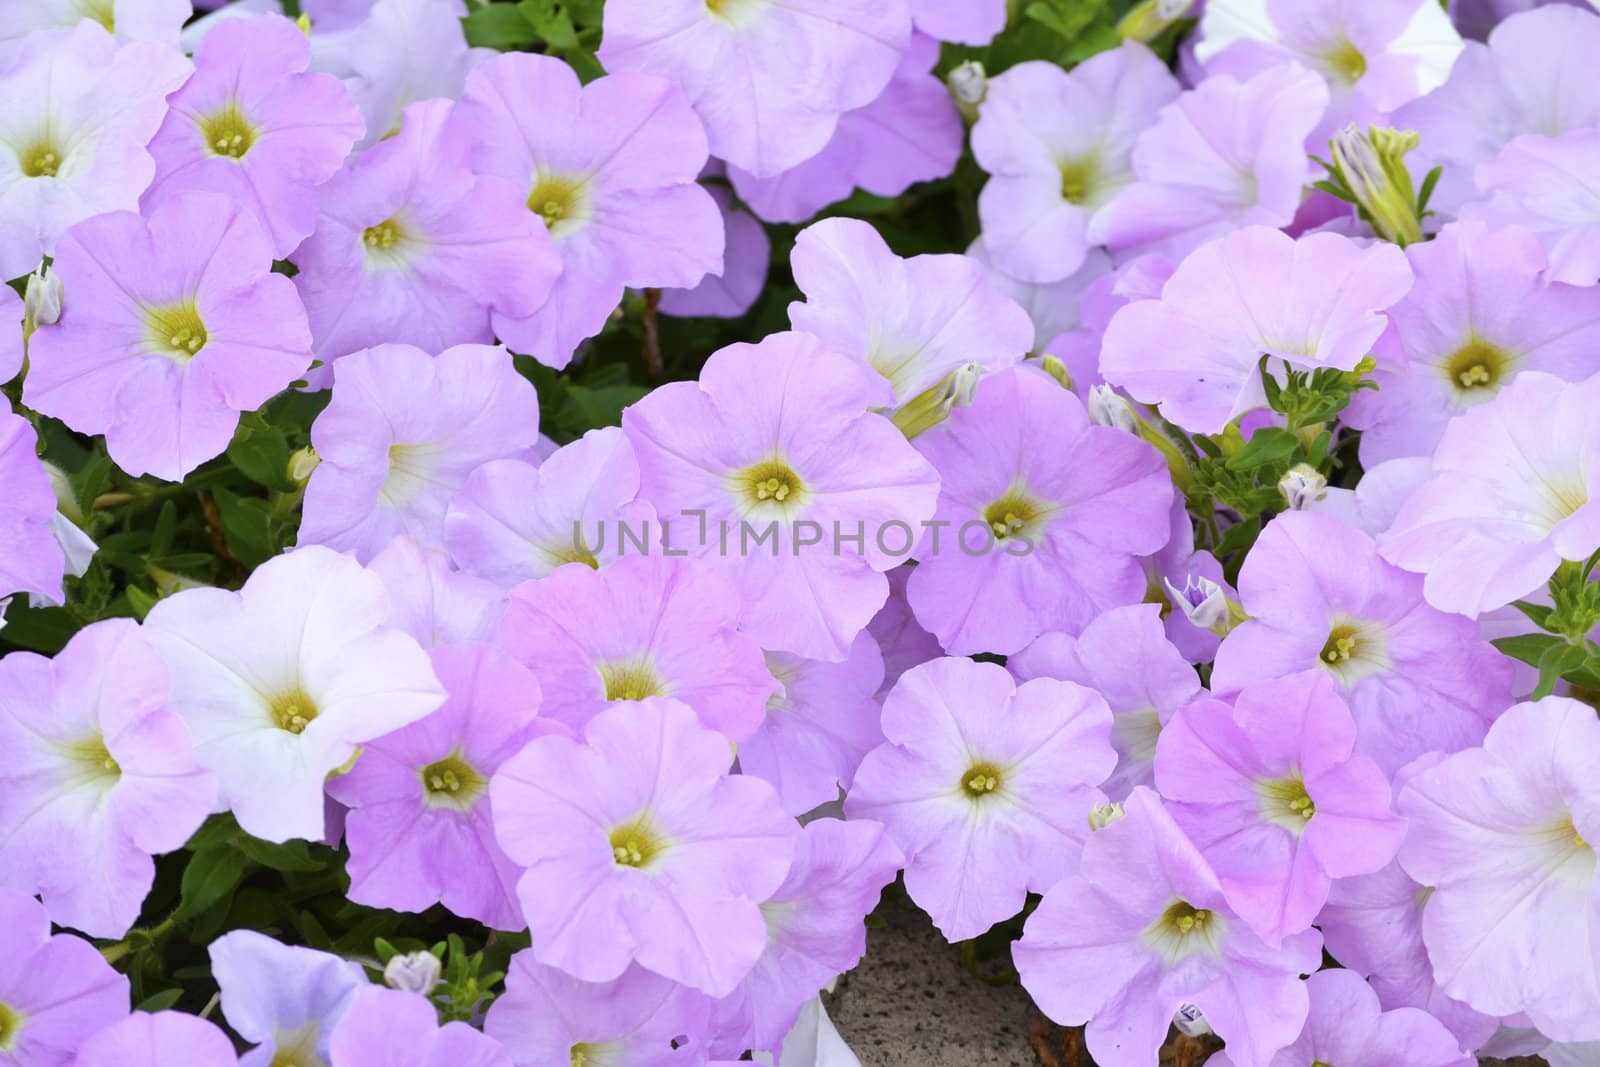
(140,600)
(262,456)
(217,830)
(499,26)
(1539,613)
(289,856)
(45,630)
(212,874)
(586,408)
(160,1001)
(1529,648)
(1267,445)
(551,22)
(247,525)
(166,526)
(1557,661)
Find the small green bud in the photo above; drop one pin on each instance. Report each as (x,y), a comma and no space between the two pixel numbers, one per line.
(1372,167)
(1151,18)
(932,406)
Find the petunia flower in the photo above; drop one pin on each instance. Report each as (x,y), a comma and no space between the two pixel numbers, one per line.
(33,561)
(1123,655)
(1318,595)
(1347,1027)
(733,290)
(411,247)
(389,1028)
(1502,835)
(911,321)
(985,785)
(434,602)
(1271,792)
(641,847)
(1226,154)
(398,53)
(769,81)
(901,639)
(282,680)
(98,777)
(815,931)
(1144,929)
(1316,302)
(646,626)
(154,21)
(973,22)
(1059,310)
(772,447)
(1057,146)
(610,169)
(1481,311)
(55,991)
(818,726)
(1531,77)
(1174,567)
(512,521)
(1512,494)
(1041,517)
(546,1016)
(420,827)
(173,324)
(161,1039)
(76,111)
(911,132)
(400,436)
(1374,57)
(1540,183)
(283,999)
(252,125)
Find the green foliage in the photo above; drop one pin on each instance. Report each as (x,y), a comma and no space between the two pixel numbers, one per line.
(1563,651)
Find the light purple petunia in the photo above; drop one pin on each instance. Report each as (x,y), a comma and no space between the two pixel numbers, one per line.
(398,53)
(1347,1027)
(1503,835)
(434,602)
(1144,929)
(1513,493)
(1543,184)
(911,321)
(172,325)
(732,291)
(75,112)
(1041,517)
(1060,310)
(54,990)
(772,463)
(814,928)
(818,726)
(411,247)
(770,81)
(98,777)
(156,21)
(420,827)
(546,1016)
(1318,595)
(512,521)
(1057,146)
(973,22)
(403,431)
(1175,567)
(283,999)
(610,168)
(162,1039)
(901,639)
(12,347)
(390,1028)
(912,132)
(252,125)
(646,626)
(641,847)
(1226,154)
(1375,57)
(1123,655)
(1532,77)
(986,785)
(1270,791)
(1481,311)
(281,681)
(1316,302)
(33,561)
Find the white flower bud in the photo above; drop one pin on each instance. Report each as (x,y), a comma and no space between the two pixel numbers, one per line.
(301,464)
(1302,486)
(1108,408)
(42,303)
(1201,600)
(1190,1021)
(1103,815)
(413,972)
(969,84)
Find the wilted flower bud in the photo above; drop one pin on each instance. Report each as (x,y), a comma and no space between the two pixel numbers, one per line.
(1372,167)
(1103,815)
(1053,366)
(1151,18)
(1190,1022)
(41,305)
(969,84)
(1108,408)
(1302,485)
(412,972)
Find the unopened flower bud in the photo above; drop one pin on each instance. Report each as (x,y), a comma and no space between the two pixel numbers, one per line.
(1151,18)
(412,972)
(1103,815)
(1205,604)
(41,304)
(1108,408)
(969,84)
(303,21)
(1190,1021)
(301,464)
(932,406)
(1302,486)
(66,499)
(1372,167)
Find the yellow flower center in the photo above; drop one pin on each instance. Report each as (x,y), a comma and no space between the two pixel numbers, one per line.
(175,330)
(1343,643)
(557,199)
(1345,62)
(42,159)
(1285,802)
(1014,515)
(1079,178)
(580,1055)
(10,1027)
(382,236)
(636,844)
(103,12)
(1478,368)
(1185,918)
(95,759)
(293,712)
(769,483)
(227,133)
(452,783)
(633,679)
(981,780)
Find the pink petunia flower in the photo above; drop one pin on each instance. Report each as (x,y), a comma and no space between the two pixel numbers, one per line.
(286,1000)
(1143,930)
(33,561)
(390,1028)
(156,21)
(172,326)
(159,1039)
(55,991)
(733,290)
(986,785)
(1541,183)
(973,22)
(641,847)
(434,602)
